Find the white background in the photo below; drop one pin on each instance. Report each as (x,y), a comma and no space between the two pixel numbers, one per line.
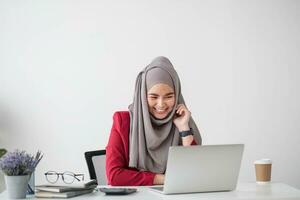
(67,66)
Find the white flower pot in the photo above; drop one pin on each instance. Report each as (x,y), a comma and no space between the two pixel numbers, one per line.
(16,186)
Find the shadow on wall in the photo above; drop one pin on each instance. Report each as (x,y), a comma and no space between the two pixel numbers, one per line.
(2,184)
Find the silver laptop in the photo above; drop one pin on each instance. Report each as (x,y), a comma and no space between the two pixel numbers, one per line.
(206,168)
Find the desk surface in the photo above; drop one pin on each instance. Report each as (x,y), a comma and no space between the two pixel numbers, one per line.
(243,191)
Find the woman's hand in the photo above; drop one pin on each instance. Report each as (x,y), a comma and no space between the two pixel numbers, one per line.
(181,121)
(182,117)
(159,179)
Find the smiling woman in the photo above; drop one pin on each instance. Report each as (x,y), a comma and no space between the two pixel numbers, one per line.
(137,150)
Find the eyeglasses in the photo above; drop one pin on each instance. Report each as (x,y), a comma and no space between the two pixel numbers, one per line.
(67,177)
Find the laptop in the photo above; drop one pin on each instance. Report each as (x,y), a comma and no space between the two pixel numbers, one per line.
(207,168)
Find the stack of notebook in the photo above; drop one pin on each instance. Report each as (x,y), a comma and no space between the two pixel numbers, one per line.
(65,190)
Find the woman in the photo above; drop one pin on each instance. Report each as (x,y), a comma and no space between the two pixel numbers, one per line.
(138,146)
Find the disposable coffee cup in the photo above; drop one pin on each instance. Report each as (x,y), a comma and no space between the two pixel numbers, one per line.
(263,168)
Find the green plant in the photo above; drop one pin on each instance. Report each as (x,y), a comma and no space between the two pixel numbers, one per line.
(2,152)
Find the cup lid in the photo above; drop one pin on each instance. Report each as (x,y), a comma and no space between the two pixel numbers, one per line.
(263,161)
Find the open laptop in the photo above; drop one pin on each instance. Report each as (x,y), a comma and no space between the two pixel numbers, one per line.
(206,168)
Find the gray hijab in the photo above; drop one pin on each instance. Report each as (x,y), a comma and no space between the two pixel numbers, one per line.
(150,138)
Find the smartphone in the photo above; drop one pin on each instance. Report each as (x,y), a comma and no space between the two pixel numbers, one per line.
(118,191)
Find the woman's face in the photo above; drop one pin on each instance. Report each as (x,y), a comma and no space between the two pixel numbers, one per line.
(161,100)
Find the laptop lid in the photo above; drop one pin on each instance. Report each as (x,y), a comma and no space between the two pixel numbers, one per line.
(204,168)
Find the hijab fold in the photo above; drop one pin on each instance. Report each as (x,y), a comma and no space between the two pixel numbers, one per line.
(150,138)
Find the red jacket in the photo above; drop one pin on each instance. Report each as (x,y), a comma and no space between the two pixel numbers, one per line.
(117,156)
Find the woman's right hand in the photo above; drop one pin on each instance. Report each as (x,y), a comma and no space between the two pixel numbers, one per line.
(159,179)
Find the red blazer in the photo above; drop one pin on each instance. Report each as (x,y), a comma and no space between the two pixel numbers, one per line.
(117,156)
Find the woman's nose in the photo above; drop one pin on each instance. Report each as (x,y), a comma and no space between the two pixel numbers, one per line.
(160,103)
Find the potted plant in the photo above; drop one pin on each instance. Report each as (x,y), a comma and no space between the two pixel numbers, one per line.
(17,167)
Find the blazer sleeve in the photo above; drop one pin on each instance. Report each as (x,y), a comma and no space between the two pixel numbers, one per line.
(194,142)
(117,171)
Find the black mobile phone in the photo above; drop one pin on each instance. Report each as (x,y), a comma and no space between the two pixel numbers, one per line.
(118,191)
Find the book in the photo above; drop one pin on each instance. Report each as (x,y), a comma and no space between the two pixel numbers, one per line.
(54,188)
(81,184)
(44,194)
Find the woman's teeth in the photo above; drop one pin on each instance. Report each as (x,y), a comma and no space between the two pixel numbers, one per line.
(160,110)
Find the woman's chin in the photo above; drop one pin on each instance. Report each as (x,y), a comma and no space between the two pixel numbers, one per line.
(160,117)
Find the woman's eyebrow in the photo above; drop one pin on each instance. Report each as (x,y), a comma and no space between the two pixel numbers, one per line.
(168,94)
(153,94)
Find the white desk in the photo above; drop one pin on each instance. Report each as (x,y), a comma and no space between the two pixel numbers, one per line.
(243,191)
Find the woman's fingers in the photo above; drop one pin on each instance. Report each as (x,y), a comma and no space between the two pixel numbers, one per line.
(180,106)
(181,109)
(178,110)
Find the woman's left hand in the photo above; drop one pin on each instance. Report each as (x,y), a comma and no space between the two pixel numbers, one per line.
(182,117)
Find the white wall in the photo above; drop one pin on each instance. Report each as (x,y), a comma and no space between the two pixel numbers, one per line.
(66,66)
